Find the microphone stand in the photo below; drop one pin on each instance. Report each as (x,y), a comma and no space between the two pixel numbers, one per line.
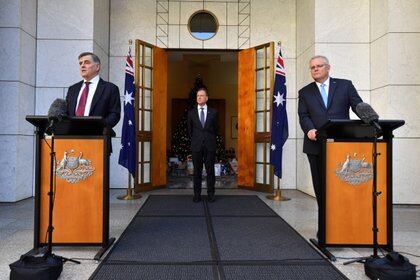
(51,205)
(375,195)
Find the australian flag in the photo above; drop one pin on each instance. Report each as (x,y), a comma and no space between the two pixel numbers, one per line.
(279,126)
(128,135)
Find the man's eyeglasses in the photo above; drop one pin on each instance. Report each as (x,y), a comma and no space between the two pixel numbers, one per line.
(316,66)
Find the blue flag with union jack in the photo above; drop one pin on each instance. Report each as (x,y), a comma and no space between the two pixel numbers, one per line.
(128,134)
(279,126)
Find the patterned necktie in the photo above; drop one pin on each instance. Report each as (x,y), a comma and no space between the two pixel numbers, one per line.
(202,120)
(80,111)
(324,95)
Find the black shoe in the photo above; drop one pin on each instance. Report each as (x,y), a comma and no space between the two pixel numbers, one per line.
(211,198)
(196,198)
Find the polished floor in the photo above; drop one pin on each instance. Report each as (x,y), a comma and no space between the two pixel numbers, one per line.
(16,230)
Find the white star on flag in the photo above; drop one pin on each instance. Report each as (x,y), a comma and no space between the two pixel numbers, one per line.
(122,147)
(279,99)
(128,97)
(273,147)
(130,122)
(129,144)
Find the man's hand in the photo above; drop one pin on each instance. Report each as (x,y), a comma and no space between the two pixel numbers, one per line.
(312,134)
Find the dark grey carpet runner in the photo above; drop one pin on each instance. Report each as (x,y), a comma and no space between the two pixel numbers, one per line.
(236,237)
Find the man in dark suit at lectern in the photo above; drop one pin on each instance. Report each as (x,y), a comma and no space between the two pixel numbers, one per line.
(325,98)
(203,127)
(93,96)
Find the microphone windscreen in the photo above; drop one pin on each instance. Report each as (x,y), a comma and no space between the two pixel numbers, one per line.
(57,109)
(366,113)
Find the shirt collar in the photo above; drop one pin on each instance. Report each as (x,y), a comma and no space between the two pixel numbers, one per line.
(199,107)
(326,83)
(94,80)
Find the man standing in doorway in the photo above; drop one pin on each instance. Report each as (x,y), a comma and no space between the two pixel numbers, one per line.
(325,98)
(203,127)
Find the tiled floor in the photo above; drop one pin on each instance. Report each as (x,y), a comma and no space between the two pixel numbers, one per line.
(16,230)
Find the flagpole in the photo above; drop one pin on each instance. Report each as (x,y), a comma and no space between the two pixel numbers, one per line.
(276,196)
(131,195)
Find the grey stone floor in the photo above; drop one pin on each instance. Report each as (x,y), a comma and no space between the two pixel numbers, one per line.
(16,230)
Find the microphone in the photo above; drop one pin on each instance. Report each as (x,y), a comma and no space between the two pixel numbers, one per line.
(57,111)
(368,115)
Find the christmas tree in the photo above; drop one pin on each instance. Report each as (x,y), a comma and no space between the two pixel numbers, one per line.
(220,152)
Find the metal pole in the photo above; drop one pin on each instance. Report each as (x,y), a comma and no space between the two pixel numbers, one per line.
(375,195)
(51,199)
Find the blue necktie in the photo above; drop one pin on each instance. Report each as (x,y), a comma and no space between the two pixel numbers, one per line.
(324,95)
(202,117)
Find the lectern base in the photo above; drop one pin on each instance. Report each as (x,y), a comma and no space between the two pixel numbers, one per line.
(323,250)
(104,249)
(42,250)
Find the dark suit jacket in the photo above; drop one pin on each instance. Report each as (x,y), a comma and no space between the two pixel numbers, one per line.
(203,136)
(105,103)
(312,112)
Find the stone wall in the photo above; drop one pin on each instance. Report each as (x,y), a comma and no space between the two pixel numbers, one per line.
(374,43)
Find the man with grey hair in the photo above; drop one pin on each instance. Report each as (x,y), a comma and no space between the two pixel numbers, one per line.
(93,96)
(324,99)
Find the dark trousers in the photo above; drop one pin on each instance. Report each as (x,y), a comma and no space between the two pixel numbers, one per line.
(315,163)
(208,158)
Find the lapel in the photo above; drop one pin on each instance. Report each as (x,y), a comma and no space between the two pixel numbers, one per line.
(195,116)
(331,91)
(73,99)
(209,115)
(318,95)
(97,95)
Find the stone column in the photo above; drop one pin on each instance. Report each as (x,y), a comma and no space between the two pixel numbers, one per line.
(395,80)
(40,44)
(135,19)
(17,89)
(340,31)
(66,29)
(305,49)
(280,27)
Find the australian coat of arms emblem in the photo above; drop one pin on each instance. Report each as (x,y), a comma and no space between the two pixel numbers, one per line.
(354,171)
(74,169)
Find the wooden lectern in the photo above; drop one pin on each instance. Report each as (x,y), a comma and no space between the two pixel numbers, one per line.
(81,189)
(345,214)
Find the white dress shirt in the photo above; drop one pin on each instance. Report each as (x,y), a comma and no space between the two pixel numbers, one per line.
(92,88)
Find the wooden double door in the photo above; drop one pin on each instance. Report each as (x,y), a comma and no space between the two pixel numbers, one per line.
(255,82)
